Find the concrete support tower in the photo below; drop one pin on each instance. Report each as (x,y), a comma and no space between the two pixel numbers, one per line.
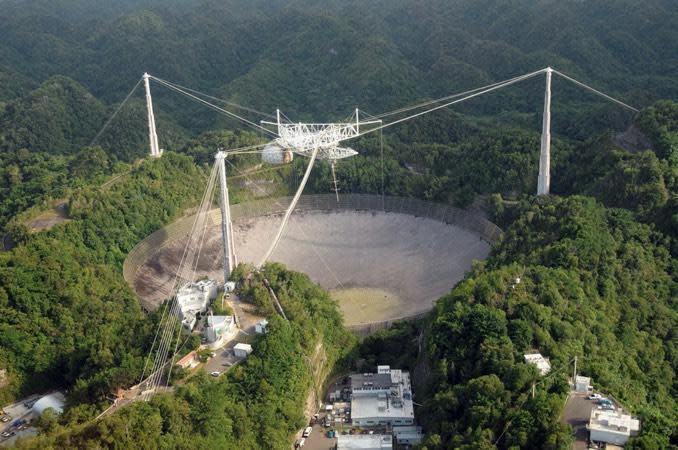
(152,135)
(544,182)
(230,260)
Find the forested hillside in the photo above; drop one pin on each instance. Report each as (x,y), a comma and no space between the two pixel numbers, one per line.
(593,284)
(258,404)
(67,316)
(597,260)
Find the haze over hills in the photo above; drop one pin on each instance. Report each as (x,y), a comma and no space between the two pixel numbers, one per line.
(597,258)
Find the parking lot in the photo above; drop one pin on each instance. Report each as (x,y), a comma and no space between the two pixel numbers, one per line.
(223,357)
(19,411)
(577,413)
(318,439)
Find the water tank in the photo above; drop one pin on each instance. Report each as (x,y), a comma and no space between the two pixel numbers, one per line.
(274,154)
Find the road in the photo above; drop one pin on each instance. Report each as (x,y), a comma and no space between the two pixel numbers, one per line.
(576,413)
(318,439)
(17,411)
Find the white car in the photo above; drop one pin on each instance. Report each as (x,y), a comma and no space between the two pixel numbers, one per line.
(307,432)
(301,442)
(594,396)
(215,373)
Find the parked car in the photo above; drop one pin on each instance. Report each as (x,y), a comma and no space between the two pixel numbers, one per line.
(7,434)
(307,432)
(594,396)
(300,443)
(216,373)
(5,418)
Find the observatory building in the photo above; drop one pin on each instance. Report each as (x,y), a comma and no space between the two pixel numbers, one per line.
(193,299)
(612,427)
(382,398)
(219,327)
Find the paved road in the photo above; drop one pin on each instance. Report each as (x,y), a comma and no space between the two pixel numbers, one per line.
(224,358)
(576,414)
(318,439)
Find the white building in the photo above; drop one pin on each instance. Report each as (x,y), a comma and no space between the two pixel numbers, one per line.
(384,398)
(261,326)
(194,298)
(219,327)
(408,435)
(612,427)
(538,360)
(582,384)
(242,350)
(364,442)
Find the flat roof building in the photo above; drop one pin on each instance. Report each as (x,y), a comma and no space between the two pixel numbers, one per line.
(242,350)
(384,398)
(408,435)
(364,442)
(538,360)
(612,427)
(582,384)
(261,327)
(219,327)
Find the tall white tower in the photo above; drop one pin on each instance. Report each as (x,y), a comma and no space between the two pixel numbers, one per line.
(544,182)
(152,135)
(230,260)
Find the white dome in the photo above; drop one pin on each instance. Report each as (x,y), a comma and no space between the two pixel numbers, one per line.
(56,401)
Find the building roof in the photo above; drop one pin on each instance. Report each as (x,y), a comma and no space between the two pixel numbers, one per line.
(364,407)
(219,321)
(186,359)
(538,360)
(613,422)
(583,380)
(56,401)
(243,346)
(364,441)
(371,381)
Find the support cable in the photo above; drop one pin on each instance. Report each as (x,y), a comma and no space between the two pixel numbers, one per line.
(595,91)
(298,225)
(115,113)
(288,213)
(226,102)
(445,105)
(210,105)
(168,322)
(442,99)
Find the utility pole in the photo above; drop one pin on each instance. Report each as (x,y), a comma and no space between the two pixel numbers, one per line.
(226,226)
(574,373)
(152,134)
(544,181)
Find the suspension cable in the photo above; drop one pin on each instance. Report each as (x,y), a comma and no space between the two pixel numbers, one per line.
(115,113)
(226,102)
(595,91)
(210,105)
(442,99)
(445,105)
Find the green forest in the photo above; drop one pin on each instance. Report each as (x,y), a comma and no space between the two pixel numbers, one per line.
(596,259)
(258,404)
